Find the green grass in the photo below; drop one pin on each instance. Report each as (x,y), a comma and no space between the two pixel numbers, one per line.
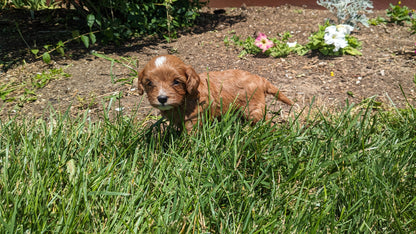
(350,172)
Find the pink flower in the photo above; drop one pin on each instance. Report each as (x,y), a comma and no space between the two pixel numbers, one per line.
(263,43)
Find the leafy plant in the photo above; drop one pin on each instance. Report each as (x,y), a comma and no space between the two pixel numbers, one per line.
(280,48)
(412,15)
(123,19)
(42,79)
(317,43)
(248,45)
(413,26)
(31,4)
(376,21)
(6,89)
(86,38)
(399,14)
(23,92)
(349,11)
(87,102)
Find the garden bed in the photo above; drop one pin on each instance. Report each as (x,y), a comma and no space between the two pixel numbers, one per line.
(385,71)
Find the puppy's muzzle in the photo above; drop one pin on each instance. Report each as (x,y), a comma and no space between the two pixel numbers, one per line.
(162,99)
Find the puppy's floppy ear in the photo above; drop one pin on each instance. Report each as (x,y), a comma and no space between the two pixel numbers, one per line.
(192,80)
(139,83)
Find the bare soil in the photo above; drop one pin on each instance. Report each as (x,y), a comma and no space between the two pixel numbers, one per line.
(378,5)
(384,71)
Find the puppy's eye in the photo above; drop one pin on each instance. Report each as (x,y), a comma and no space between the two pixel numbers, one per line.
(148,83)
(176,82)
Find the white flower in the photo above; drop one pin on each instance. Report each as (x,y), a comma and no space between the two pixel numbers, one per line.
(293,44)
(340,43)
(341,28)
(331,29)
(331,37)
(345,29)
(335,35)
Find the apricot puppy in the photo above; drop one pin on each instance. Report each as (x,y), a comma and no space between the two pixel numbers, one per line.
(181,94)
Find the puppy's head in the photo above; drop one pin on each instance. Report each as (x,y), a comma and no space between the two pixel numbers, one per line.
(167,80)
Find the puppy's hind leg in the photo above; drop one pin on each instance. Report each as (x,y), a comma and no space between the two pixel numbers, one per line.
(257,114)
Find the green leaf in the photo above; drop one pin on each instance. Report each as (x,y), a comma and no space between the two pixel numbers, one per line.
(92,38)
(324,50)
(46,57)
(60,50)
(242,54)
(5,90)
(352,51)
(167,38)
(226,41)
(85,40)
(90,20)
(60,43)
(34,51)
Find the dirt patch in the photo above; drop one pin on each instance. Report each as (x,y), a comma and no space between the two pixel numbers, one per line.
(386,67)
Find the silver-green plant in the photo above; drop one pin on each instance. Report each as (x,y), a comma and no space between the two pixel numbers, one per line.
(349,12)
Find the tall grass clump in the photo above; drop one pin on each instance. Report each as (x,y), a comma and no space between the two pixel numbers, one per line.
(344,172)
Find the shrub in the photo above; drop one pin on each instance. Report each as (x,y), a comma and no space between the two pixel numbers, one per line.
(349,11)
(399,14)
(118,20)
(31,4)
(402,14)
(122,19)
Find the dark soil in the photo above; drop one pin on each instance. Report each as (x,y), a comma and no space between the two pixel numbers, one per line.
(384,71)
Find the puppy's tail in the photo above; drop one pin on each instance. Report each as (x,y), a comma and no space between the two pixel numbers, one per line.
(273,90)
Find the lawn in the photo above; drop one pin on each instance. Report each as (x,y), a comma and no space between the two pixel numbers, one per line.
(101,161)
(352,171)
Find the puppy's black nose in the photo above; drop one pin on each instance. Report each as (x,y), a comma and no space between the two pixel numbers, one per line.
(162,99)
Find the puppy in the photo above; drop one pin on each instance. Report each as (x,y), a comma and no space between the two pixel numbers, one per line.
(181,94)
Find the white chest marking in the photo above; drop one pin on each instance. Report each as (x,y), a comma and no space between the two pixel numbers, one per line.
(160,61)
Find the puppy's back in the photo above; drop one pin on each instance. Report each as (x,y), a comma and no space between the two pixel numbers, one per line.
(243,83)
